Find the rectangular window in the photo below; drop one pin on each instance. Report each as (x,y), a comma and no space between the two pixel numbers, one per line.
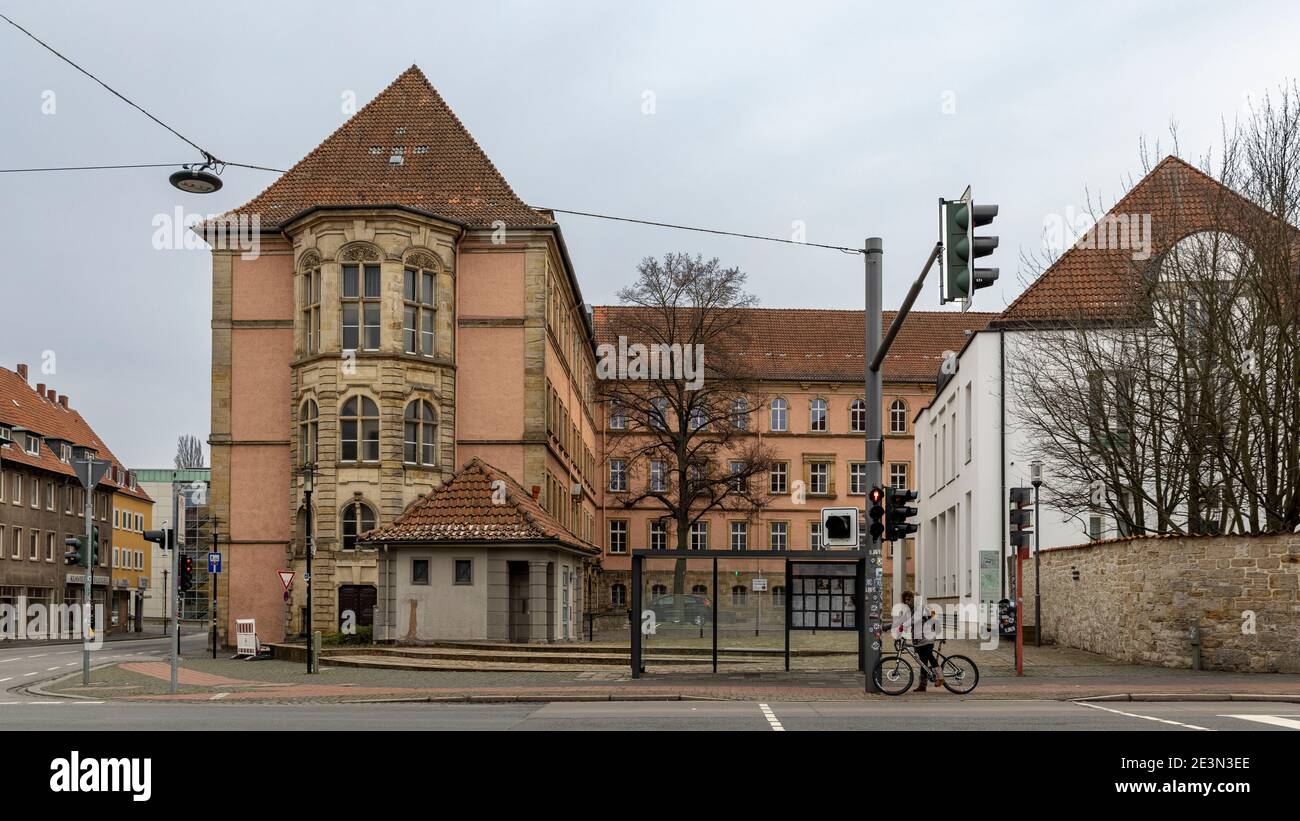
(2,541)
(738,484)
(857,478)
(618,535)
(817,416)
(617,416)
(49,496)
(779,421)
(4,480)
(49,547)
(658,476)
(617,475)
(658,534)
(778,477)
(311,311)
(740,535)
(36,493)
(898,475)
(419,571)
(17,550)
(33,445)
(700,536)
(360,307)
(115,557)
(417,318)
(819,478)
(34,546)
(464,571)
(779,535)
(814,535)
(18,488)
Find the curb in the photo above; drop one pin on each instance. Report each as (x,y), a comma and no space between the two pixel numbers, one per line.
(37,688)
(531,698)
(1281,697)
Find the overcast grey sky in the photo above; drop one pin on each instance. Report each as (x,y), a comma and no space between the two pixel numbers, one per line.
(853,118)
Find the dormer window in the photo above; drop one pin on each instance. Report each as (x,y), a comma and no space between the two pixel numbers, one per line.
(33,445)
(65,454)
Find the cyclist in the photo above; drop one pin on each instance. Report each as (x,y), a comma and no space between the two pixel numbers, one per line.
(922,637)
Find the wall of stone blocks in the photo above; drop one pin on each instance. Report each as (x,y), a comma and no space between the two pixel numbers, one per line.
(1135,600)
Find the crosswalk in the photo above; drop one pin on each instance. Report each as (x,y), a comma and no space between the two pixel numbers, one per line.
(1290,722)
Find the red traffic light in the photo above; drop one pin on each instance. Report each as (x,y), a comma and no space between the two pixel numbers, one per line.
(876,495)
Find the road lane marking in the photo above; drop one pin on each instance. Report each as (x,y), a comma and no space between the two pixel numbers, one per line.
(1148,718)
(1279,721)
(771,718)
(87,702)
(34,673)
(15,658)
(3,680)
(218,695)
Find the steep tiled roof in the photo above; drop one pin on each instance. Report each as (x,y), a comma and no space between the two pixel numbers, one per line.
(1089,282)
(21,405)
(826,345)
(443,172)
(462,510)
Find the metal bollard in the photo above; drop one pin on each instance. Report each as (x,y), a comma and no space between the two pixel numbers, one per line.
(315,646)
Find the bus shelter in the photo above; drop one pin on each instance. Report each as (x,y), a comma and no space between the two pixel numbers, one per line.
(825,590)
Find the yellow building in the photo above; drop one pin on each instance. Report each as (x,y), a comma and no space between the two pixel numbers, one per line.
(132,556)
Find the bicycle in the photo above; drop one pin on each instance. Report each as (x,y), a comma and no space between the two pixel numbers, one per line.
(894,673)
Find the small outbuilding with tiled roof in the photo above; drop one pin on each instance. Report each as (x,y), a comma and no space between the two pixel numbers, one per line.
(478,558)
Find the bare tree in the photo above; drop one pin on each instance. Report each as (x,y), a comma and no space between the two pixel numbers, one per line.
(189,452)
(1175,407)
(672,379)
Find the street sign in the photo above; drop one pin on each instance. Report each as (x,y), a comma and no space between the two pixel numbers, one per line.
(214,562)
(760,585)
(286,578)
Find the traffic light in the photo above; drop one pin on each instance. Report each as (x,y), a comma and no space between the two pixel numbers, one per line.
(94,545)
(165,539)
(185,573)
(958,221)
(73,554)
(1021,516)
(897,513)
(876,513)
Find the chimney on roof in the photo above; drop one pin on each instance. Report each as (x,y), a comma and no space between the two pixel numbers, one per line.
(22,370)
(537,492)
(40,388)
(63,400)
(52,395)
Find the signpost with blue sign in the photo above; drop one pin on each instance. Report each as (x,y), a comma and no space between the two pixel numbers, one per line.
(214,562)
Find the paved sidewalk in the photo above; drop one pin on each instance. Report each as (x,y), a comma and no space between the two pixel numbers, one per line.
(224,680)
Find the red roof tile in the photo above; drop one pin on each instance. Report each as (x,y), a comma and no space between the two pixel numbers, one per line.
(1097,283)
(21,405)
(814,344)
(462,510)
(443,171)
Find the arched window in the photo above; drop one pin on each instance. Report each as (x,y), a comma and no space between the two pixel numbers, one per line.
(421,434)
(360,302)
(778,596)
(358,518)
(898,416)
(618,595)
(311,303)
(817,415)
(359,430)
(418,305)
(700,590)
(739,595)
(657,590)
(780,415)
(308,433)
(858,416)
(698,417)
(740,413)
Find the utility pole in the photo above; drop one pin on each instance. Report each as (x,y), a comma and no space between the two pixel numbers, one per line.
(89,471)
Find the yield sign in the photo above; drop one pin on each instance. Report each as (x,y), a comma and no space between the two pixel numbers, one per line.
(286,578)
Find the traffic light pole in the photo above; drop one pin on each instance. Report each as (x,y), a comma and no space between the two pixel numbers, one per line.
(175,561)
(88,596)
(873,252)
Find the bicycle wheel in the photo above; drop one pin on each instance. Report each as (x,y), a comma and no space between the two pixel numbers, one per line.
(960,675)
(893,675)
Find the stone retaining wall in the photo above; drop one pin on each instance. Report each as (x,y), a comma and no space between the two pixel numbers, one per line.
(1136,600)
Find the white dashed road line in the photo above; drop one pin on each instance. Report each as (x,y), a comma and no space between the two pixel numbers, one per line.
(1279,721)
(1148,718)
(771,718)
(3,680)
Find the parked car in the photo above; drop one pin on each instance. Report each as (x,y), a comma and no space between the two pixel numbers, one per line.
(683,609)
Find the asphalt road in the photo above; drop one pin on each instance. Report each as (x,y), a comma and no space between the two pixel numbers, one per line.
(31,663)
(1186,717)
